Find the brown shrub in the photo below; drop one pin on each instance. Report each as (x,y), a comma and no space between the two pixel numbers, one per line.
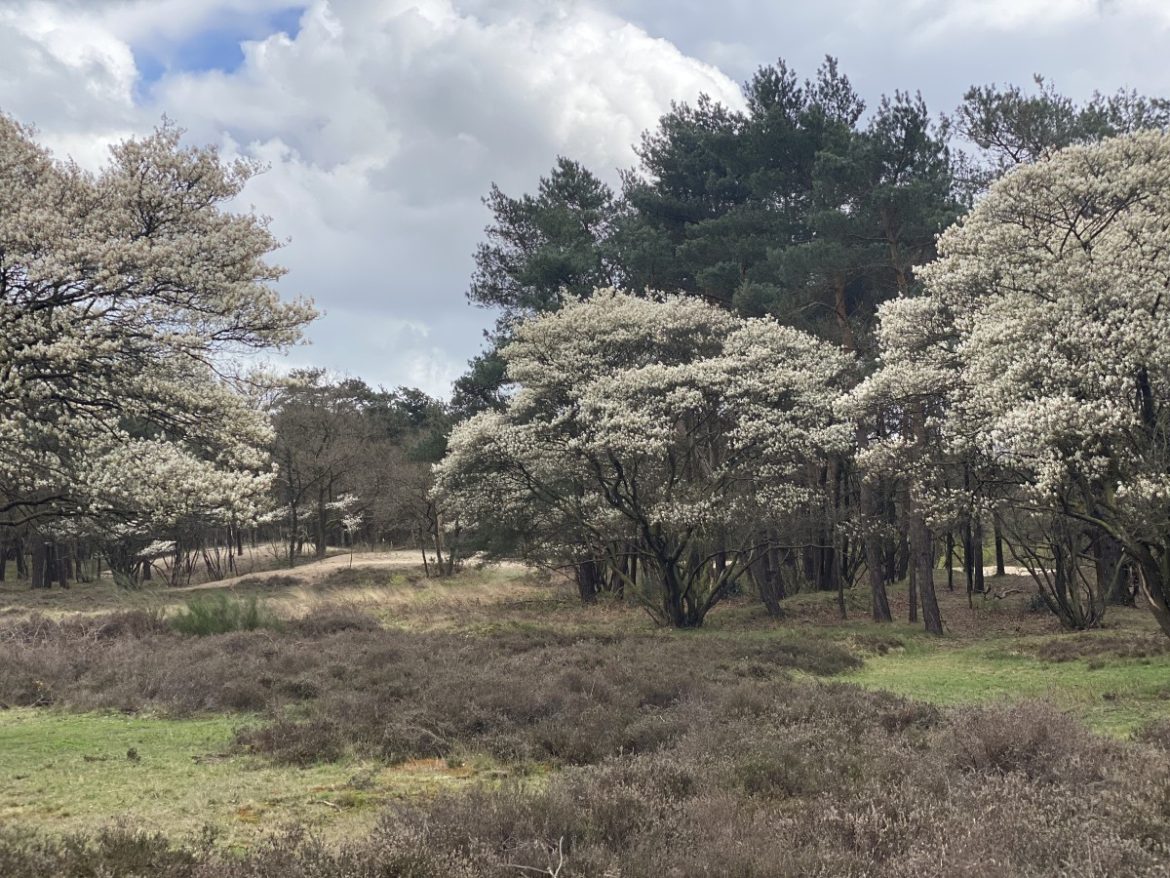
(273,581)
(1071,647)
(789,788)
(683,756)
(1031,738)
(518,694)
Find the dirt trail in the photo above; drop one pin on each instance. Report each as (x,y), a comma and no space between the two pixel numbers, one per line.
(309,572)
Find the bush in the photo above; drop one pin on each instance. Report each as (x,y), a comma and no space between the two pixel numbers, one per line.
(754,778)
(1034,739)
(220,614)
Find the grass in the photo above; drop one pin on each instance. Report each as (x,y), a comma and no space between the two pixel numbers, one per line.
(72,772)
(220,613)
(1116,697)
(388,585)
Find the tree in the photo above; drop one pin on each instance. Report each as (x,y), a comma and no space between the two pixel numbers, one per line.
(125,295)
(346,451)
(321,442)
(661,428)
(1057,282)
(541,248)
(909,392)
(1006,127)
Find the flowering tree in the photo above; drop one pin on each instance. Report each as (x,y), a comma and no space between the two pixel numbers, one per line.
(1057,283)
(908,392)
(658,428)
(125,297)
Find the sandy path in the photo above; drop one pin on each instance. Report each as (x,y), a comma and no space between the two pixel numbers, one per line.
(311,571)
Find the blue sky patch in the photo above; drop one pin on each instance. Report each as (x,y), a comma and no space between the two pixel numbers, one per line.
(214,48)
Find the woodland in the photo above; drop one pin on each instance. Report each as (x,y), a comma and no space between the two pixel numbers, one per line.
(807,512)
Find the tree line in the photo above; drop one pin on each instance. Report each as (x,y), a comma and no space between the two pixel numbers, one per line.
(134,435)
(888,407)
(805,344)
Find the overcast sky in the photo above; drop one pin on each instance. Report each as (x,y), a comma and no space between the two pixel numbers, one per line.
(385,121)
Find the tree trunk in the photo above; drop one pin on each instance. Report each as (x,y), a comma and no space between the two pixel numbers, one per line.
(879,600)
(1000,570)
(950,560)
(320,540)
(293,527)
(40,564)
(422,547)
(1111,581)
(977,544)
(588,580)
(969,560)
(923,543)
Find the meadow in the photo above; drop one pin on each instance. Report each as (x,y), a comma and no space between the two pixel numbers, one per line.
(353,717)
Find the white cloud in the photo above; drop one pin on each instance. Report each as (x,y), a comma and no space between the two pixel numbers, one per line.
(383,122)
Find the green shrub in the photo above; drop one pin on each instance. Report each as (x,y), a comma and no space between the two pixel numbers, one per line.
(221,614)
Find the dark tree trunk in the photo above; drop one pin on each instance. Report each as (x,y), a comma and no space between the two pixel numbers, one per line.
(40,565)
(293,527)
(969,559)
(1110,571)
(875,569)
(924,569)
(1000,570)
(64,567)
(902,558)
(880,601)
(922,542)
(768,583)
(321,538)
(588,580)
(950,560)
(912,594)
(422,547)
(977,544)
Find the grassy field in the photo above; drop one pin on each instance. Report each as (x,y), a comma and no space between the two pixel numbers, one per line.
(157,732)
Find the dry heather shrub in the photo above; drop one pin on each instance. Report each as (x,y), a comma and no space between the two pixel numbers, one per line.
(1031,738)
(519,694)
(789,789)
(38,628)
(1155,733)
(1091,645)
(686,757)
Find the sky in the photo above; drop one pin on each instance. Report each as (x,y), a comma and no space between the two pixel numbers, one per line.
(383,123)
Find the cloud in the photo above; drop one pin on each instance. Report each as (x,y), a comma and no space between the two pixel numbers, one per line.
(383,123)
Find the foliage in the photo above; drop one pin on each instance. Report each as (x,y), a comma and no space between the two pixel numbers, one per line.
(219,614)
(353,461)
(1006,126)
(1055,283)
(654,423)
(123,296)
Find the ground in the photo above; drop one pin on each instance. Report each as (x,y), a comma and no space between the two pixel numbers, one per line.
(66,768)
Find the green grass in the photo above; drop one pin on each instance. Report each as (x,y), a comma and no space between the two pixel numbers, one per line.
(68,772)
(1114,695)
(219,613)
